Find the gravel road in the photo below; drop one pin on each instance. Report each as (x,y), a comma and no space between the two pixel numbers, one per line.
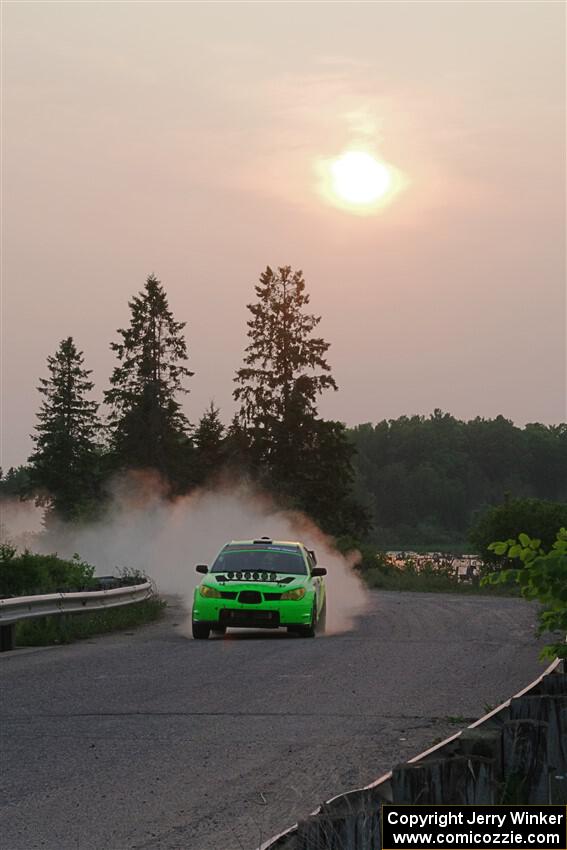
(152,741)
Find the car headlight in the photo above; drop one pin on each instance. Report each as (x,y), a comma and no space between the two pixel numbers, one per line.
(210,592)
(298,593)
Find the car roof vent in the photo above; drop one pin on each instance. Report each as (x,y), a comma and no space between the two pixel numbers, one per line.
(264,540)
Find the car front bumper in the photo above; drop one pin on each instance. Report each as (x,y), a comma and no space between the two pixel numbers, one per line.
(267,615)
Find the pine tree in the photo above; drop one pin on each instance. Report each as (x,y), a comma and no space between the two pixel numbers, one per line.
(16,482)
(307,460)
(238,447)
(209,445)
(148,427)
(285,367)
(65,464)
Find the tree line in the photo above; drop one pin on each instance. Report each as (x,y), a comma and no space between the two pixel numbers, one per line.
(276,438)
(429,480)
(409,482)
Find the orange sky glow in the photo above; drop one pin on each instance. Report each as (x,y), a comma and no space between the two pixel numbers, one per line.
(203,141)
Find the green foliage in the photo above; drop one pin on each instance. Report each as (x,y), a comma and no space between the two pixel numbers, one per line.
(458,720)
(528,517)
(210,447)
(423,478)
(305,460)
(65,465)
(148,427)
(428,576)
(317,478)
(28,573)
(542,575)
(130,575)
(387,576)
(16,483)
(70,627)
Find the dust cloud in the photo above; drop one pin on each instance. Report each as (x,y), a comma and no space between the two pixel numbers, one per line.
(145,530)
(20,523)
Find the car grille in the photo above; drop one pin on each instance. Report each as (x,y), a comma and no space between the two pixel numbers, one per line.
(271,597)
(249,618)
(250,597)
(227,594)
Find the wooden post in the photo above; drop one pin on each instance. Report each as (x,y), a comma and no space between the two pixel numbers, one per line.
(525,762)
(460,779)
(349,831)
(551,710)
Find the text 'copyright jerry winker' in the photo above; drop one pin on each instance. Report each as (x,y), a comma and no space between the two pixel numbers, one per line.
(478,827)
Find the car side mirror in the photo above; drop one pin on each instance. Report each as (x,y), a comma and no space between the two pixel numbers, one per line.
(202,568)
(319,571)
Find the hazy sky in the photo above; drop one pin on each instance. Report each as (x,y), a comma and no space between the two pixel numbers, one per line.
(184,139)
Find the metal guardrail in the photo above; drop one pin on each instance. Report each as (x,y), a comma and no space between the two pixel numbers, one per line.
(29,607)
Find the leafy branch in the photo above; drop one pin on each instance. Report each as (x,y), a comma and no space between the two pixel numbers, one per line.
(541,575)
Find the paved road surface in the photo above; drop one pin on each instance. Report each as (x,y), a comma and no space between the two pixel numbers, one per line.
(152,741)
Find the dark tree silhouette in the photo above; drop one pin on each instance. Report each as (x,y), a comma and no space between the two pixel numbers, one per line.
(285,370)
(285,367)
(210,453)
(65,465)
(148,427)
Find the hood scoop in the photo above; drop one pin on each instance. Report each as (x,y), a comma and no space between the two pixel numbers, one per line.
(247,575)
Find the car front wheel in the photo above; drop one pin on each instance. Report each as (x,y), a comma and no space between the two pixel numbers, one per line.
(201,631)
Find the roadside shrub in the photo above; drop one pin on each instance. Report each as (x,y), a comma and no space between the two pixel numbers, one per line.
(535,517)
(27,573)
(130,576)
(428,576)
(419,573)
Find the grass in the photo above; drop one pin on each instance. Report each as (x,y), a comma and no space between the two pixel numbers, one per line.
(422,573)
(429,582)
(67,628)
(459,720)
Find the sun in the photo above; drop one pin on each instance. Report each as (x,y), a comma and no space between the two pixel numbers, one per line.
(359,179)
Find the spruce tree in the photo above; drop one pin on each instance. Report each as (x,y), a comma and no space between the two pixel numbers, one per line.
(148,426)
(238,447)
(208,440)
(285,367)
(65,465)
(305,459)
(15,483)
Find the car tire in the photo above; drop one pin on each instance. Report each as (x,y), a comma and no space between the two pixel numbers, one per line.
(219,630)
(201,631)
(322,621)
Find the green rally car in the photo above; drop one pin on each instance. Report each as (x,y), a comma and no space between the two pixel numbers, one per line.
(261,584)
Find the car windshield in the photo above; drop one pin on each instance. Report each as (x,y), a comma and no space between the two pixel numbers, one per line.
(260,559)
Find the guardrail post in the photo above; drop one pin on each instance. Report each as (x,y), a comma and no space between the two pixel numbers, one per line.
(526,761)
(7,637)
(464,780)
